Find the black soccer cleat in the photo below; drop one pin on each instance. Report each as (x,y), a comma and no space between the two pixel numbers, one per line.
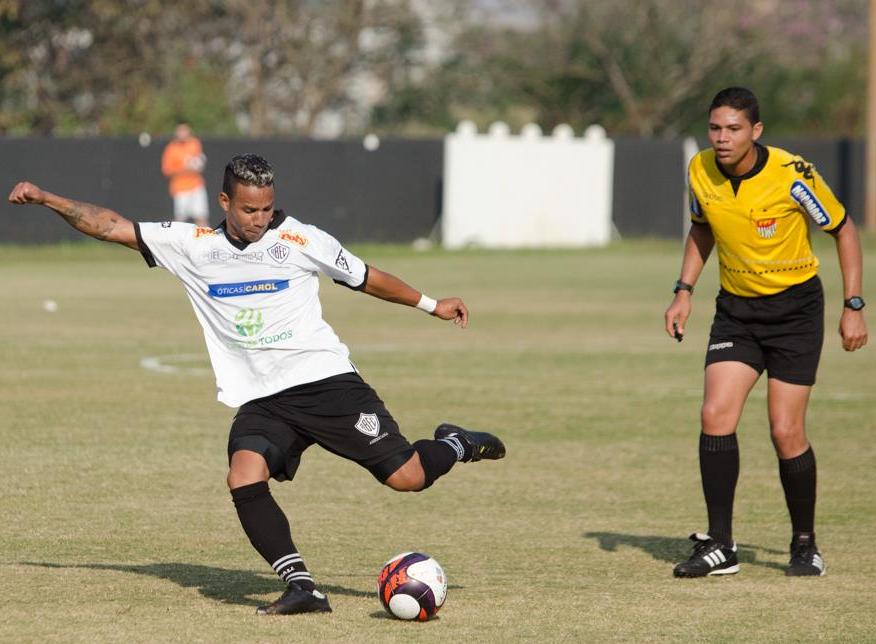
(477,445)
(709,557)
(296,600)
(805,561)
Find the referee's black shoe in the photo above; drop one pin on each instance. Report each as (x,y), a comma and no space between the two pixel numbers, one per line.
(709,557)
(296,600)
(806,561)
(476,445)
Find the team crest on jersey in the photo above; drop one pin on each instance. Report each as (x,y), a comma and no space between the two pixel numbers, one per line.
(295,238)
(165,224)
(368,424)
(203,232)
(279,252)
(766,228)
(341,262)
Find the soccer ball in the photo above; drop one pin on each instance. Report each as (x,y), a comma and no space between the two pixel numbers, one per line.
(412,586)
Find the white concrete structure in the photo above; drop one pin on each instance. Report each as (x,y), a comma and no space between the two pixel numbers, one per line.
(506,191)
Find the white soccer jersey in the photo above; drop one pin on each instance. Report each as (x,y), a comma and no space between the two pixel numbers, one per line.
(258,303)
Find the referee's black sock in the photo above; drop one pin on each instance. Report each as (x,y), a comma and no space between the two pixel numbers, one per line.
(268,531)
(719,468)
(798,480)
(436,457)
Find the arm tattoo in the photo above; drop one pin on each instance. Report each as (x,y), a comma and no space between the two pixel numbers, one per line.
(92,220)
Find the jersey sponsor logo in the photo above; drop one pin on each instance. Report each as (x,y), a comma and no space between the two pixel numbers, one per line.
(801,167)
(218,255)
(368,424)
(695,209)
(720,345)
(341,262)
(295,238)
(801,193)
(239,289)
(279,252)
(249,322)
(203,232)
(766,228)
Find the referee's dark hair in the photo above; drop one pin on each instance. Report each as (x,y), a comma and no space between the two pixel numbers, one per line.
(739,98)
(248,169)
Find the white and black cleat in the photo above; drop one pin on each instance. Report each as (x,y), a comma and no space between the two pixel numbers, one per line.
(709,557)
(806,561)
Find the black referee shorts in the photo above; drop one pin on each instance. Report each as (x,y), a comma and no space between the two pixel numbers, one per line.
(341,414)
(782,333)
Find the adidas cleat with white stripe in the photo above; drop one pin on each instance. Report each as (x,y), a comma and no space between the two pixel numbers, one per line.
(806,561)
(709,557)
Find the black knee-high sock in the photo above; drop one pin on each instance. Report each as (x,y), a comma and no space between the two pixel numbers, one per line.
(268,531)
(719,468)
(798,480)
(436,457)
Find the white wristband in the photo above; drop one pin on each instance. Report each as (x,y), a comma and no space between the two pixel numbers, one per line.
(426,303)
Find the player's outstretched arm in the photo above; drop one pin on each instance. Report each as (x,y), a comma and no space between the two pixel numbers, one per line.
(94,221)
(390,288)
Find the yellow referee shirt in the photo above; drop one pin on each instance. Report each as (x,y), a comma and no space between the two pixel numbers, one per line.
(760,220)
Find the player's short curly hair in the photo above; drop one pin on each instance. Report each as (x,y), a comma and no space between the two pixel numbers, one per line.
(739,98)
(248,169)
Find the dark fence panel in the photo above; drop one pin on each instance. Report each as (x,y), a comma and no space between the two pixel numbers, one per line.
(649,180)
(391,194)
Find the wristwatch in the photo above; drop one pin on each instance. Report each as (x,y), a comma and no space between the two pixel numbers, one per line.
(684,286)
(856,303)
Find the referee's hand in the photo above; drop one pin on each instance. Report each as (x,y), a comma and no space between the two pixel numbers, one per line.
(677,314)
(853,329)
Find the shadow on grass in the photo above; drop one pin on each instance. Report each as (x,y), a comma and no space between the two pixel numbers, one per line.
(220,584)
(673,549)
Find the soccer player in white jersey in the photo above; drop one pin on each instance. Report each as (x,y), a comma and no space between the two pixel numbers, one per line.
(253,283)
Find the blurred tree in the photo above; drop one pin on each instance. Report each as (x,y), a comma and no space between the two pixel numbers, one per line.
(341,67)
(648,67)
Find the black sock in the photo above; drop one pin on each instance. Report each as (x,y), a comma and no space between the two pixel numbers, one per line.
(719,469)
(436,457)
(798,480)
(268,531)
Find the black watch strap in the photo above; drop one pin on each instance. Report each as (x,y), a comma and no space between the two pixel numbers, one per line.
(856,303)
(682,286)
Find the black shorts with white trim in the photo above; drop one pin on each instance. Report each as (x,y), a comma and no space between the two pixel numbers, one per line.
(342,414)
(782,333)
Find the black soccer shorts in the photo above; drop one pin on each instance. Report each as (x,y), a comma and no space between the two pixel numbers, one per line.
(341,414)
(782,333)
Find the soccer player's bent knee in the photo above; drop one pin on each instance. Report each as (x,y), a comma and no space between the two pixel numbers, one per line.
(246,468)
(410,477)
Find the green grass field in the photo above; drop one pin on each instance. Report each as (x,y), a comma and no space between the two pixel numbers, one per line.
(115,523)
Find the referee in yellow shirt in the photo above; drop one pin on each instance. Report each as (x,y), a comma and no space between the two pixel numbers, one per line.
(755,203)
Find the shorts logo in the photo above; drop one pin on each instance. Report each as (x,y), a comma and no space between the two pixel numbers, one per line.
(720,345)
(766,228)
(248,288)
(279,252)
(341,262)
(801,193)
(295,238)
(248,322)
(368,424)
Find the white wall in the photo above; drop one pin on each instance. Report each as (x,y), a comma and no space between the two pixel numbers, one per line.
(529,190)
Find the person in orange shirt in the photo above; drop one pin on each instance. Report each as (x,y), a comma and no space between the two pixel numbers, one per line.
(182,163)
